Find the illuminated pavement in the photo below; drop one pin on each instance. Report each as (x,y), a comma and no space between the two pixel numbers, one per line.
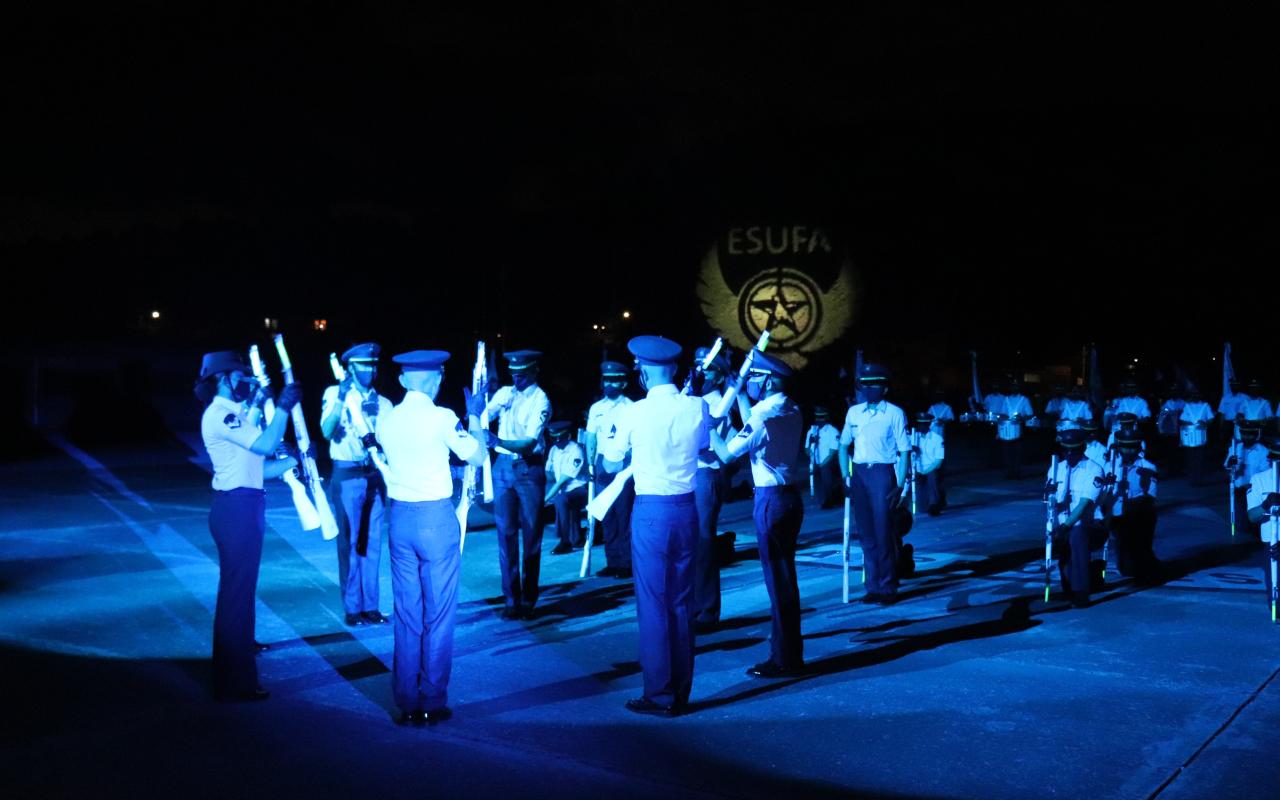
(970,687)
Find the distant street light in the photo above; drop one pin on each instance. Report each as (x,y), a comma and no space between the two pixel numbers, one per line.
(626,315)
(155,315)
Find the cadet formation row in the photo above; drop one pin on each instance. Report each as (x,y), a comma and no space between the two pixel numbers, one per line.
(669,450)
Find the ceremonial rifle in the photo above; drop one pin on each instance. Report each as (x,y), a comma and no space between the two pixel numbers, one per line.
(1231,485)
(476,480)
(1273,539)
(307,515)
(845,549)
(310,473)
(1051,519)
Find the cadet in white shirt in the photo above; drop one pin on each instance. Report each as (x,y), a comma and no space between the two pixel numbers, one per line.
(664,433)
(942,413)
(417,437)
(1264,495)
(356,490)
(566,476)
(1245,459)
(519,482)
(876,432)
(1167,429)
(929,453)
(1193,435)
(1131,508)
(237,519)
(1075,409)
(1009,426)
(773,435)
(824,442)
(1128,401)
(1252,405)
(600,422)
(1075,488)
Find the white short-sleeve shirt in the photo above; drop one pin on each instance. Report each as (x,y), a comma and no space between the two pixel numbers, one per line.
(878,433)
(567,461)
(1082,482)
(228,435)
(417,437)
(774,436)
(343,444)
(521,415)
(664,433)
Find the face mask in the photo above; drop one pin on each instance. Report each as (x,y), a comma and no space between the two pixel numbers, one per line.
(755,389)
(613,388)
(243,390)
(1074,456)
(521,380)
(365,377)
(874,393)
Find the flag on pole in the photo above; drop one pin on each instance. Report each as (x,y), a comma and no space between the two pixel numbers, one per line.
(1228,371)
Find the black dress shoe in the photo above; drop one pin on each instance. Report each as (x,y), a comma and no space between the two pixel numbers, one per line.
(705,626)
(608,572)
(768,669)
(354,620)
(642,705)
(374,617)
(526,612)
(622,573)
(414,718)
(261,647)
(886,599)
(511,612)
(243,697)
(561,549)
(871,598)
(438,715)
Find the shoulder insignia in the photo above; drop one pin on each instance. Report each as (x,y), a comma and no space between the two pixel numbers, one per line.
(231,421)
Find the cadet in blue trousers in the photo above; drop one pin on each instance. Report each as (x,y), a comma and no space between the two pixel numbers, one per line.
(876,432)
(664,433)
(237,519)
(417,437)
(774,436)
(1075,489)
(356,490)
(519,480)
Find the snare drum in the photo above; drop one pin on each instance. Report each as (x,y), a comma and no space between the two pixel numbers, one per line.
(968,417)
(1193,435)
(1009,429)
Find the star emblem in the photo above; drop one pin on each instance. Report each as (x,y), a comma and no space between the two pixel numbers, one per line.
(782,304)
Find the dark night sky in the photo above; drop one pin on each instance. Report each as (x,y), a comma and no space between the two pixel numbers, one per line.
(1014,179)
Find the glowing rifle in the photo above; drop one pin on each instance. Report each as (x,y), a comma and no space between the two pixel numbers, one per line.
(1231,485)
(845,550)
(591,522)
(307,514)
(722,407)
(1051,519)
(310,474)
(1273,539)
(471,475)
(599,507)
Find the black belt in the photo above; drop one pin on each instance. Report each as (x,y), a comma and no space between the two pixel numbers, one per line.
(533,460)
(787,489)
(340,464)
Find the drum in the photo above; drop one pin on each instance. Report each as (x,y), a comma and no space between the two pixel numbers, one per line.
(1033,422)
(968,417)
(1009,429)
(1194,435)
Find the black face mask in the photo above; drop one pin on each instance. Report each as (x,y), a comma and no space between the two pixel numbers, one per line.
(1074,456)
(243,390)
(365,377)
(873,392)
(755,389)
(522,380)
(612,388)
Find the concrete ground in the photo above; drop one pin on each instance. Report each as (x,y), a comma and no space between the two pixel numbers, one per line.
(969,687)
